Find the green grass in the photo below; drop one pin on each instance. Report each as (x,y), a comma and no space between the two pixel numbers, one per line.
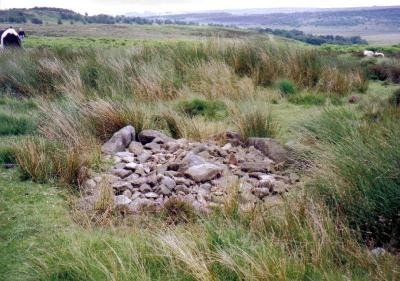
(389,50)
(79,42)
(40,241)
(31,215)
(364,171)
(15,125)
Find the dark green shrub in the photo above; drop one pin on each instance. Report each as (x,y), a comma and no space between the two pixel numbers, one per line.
(11,125)
(90,75)
(287,87)
(206,108)
(7,155)
(395,98)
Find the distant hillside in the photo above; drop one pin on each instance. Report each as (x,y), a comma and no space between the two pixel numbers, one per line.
(40,15)
(325,17)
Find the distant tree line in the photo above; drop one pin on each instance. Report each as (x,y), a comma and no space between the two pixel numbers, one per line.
(34,16)
(314,39)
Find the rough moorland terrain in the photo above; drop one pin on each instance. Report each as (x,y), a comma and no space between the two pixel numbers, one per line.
(221,159)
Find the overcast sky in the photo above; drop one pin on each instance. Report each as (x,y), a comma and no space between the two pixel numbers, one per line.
(125,6)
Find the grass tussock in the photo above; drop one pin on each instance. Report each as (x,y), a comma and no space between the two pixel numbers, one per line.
(361,180)
(45,161)
(258,122)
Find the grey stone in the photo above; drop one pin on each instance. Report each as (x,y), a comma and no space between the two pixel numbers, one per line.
(147,136)
(128,159)
(131,178)
(378,251)
(119,141)
(261,192)
(199,148)
(120,186)
(145,188)
(168,182)
(262,167)
(139,181)
(205,186)
(131,166)
(227,146)
(152,146)
(135,148)
(172,146)
(127,193)
(164,190)
(182,188)
(294,178)
(181,180)
(204,172)
(124,154)
(90,184)
(122,200)
(151,195)
(122,173)
(144,157)
(270,148)
(192,159)
(138,204)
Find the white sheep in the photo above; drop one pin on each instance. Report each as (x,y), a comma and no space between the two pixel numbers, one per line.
(368,53)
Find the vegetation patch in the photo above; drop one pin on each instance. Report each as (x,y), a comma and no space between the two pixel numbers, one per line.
(287,87)
(307,99)
(7,155)
(256,123)
(15,125)
(363,179)
(207,108)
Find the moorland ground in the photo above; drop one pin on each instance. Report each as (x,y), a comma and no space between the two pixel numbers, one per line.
(61,98)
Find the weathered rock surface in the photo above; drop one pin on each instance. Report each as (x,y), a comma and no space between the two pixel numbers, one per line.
(119,141)
(203,172)
(271,148)
(149,172)
(148,136)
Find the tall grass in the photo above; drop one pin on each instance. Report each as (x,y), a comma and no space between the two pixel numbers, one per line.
(362,178)
(224,68)
(297,241)
(256,122)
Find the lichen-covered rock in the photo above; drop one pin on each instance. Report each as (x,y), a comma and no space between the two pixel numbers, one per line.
(119,141)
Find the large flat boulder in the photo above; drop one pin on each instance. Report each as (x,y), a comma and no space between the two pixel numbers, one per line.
(204,172)
(270,148)
(119,141)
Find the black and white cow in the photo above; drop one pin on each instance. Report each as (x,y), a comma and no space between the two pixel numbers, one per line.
(10,38)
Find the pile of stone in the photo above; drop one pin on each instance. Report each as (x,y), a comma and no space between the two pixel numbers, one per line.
(149,168)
